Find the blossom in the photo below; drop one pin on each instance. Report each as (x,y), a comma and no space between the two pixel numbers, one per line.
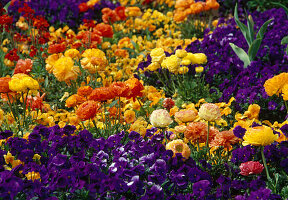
(22,82)
(133,11)
(129,116)
(259,136)
(33,176)
(87,110)
(65,70)
(178,146)
(72,53)
(209,112)
(251,167)
(106,30)
(172,63)
(168,103)
(224,138)
(157,55)
(102,94)
(23,66)
(198,131)
(253,111)
(74,100)
(84,91)
(275,85)
(185,116)
(136,88)
(160,118)
(4,84)
(93,60)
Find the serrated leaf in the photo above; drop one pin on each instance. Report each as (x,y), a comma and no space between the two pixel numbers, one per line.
(263,29)
(253,49)
(284,40)
(241,54)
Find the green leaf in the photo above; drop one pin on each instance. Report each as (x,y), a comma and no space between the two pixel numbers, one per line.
(284,40)
(250,35)
(242,26)
(113,103)
(7,6)
(284,192)
(282,6)
(253,49)
(241,54)
(263,29)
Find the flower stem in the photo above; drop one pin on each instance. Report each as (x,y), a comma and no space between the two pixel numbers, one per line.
(207,141)
(264,162)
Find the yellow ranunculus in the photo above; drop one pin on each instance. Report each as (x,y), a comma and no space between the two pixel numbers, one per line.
(259,136)
(64,69)
(172,63)
(157,55)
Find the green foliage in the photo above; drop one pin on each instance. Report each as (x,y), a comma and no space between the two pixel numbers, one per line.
(285,41)
(249,34)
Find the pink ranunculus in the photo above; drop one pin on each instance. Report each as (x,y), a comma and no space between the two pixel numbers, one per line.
(251,167)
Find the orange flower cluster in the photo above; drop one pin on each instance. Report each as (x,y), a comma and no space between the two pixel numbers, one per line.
(90,38)
(111,16)
(79,98)
(105,30)
(190,7)
(129,89)
(197,131)
(56,48)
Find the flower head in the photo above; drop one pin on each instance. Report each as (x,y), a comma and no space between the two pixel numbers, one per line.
(160,118)
(87,110)
(64,69)
(178,146)
(157,55)
(259,136)
(209,112)
(4,84)
(23,66)
(251,167)
(185,116)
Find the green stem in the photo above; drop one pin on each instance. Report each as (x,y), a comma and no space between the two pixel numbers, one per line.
(96,128)
(207,141)
(264,162)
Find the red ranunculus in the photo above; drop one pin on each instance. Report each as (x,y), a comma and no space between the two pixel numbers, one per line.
(251,167)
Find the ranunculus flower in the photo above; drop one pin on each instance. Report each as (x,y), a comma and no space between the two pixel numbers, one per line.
(178,146)
(4,86)
(185,116)
(157,55)
(259,136)
(251,167)
(209,112)
(23,66)
(87,110)
(160,118)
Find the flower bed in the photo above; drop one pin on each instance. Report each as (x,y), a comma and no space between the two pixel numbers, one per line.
(143,100)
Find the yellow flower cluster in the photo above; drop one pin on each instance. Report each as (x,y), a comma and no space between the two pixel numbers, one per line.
(22,82)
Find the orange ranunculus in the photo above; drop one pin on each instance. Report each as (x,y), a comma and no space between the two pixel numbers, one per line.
(84,91)
(136,88)
(120,89)
(106,30)
(90,38)
(56,48)
(101,94)
(198,131)
(23,66)
(179,16)
(197,7)
(109,16)
(74,100)
(225,139)
(120,11)
(212,4)
(121,53)
(4,86)
(87,110)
